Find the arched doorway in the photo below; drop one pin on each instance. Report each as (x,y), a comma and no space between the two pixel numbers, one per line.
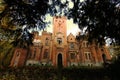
(104,58)
(59,61)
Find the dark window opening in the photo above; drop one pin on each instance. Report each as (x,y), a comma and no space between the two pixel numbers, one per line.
(86,56)
(104,57)
(29,64)
(45,54)
(101,49)
(47,42)
(59,40)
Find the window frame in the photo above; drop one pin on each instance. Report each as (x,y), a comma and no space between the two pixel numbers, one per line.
(87,55)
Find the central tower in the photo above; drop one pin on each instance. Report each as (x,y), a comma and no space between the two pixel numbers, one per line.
(59,40)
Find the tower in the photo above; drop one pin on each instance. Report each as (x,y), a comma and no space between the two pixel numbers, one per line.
(59,41)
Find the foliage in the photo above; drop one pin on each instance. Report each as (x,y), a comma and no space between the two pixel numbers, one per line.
(100,17)
(6,53)
(22,12)
(19,16)
(43,73)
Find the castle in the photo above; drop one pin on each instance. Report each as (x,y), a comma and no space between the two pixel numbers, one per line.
(58,49)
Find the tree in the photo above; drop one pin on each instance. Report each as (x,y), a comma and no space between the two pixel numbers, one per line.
(21,16)
(18,13)
(100,17)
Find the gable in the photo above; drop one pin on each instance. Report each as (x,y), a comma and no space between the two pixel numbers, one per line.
(71,38)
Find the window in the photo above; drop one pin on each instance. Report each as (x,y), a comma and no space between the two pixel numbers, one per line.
(29,55)
(15,63)
(72,55)
(71,45)
(104,57)
(45,54)
(47,42)
(36,44)
(34,54)
(59,40)
(102,50)
(17,58)
(87,55)
(18,53)
(85,44)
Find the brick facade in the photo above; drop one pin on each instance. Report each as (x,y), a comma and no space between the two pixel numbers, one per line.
(58,48)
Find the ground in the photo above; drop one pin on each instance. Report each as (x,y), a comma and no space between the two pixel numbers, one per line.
(51,73)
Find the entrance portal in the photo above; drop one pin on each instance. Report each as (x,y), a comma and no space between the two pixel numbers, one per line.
(59,61)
